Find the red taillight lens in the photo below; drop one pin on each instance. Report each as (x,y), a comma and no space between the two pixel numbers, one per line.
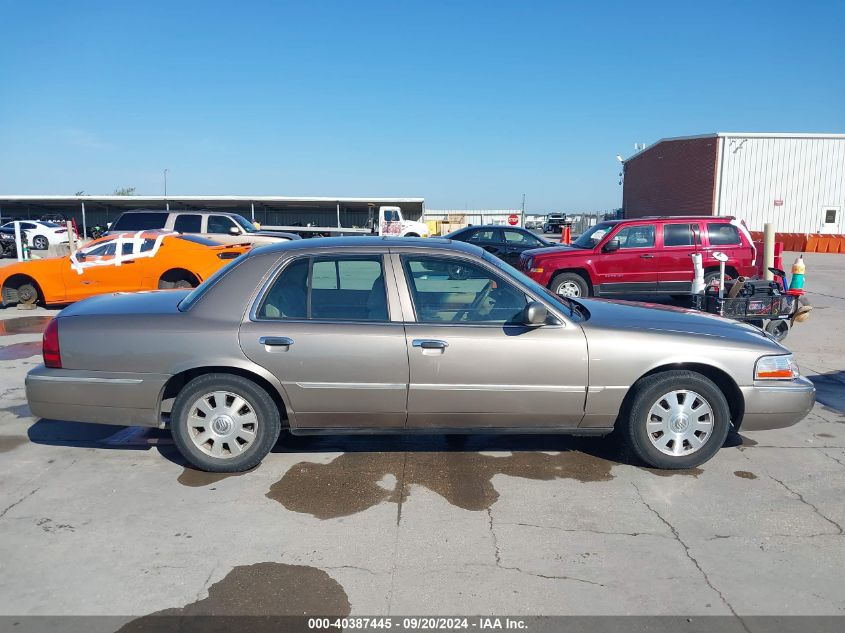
(50,346)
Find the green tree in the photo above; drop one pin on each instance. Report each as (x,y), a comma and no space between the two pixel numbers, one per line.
(124,191)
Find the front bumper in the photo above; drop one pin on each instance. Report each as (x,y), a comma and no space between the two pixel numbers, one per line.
(76,395)
(777,406)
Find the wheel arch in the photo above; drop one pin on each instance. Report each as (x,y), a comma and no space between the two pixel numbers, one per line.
(256,374)
(730,271)
(723,380)
(578,270)
(172,275)
(15,281)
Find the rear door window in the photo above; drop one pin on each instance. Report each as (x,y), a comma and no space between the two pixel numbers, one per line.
(483,236)
(723,234)
(677,235)
(140,222)
(343,288)
(188,223)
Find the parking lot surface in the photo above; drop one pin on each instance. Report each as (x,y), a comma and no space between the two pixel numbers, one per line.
(107,520)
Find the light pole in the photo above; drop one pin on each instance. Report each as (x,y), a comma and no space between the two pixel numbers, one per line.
(166,203)
(522,219)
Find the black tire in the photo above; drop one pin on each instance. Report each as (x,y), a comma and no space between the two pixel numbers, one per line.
(571,281)
(265,410)
(778,329)
(40,243)
(647,394)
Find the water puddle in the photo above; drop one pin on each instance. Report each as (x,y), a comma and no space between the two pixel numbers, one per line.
(744,474)
(198,478)
(355,482)
(273,591)
(20,350)
(11,442)
(24,325)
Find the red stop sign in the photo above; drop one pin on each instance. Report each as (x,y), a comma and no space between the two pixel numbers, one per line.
(513,219)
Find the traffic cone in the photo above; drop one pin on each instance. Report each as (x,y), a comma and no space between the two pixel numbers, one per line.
(566,235)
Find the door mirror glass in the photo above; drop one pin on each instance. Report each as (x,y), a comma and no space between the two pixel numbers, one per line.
(234,230)
(612,245)
(535,314)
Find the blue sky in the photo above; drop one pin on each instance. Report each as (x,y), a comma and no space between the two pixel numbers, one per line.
(469,104)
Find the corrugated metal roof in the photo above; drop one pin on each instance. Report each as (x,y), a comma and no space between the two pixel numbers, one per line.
(797,135)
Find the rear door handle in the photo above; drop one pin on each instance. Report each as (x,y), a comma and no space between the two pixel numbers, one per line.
(426,343)
(276,341)
(647,256)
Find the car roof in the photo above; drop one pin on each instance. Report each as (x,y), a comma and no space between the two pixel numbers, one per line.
(670,218)
(369,241)
(191,211)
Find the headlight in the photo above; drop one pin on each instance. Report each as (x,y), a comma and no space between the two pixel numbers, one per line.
(776,368)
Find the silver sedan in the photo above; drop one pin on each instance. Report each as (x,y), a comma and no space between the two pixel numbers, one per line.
(385,335)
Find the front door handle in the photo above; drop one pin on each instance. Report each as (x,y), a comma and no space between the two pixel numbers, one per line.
(646,256)
(276,341)
(426,343)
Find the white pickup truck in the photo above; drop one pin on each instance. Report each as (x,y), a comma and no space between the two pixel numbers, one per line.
(390,222)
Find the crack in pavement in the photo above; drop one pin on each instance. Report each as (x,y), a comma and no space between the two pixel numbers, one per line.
(585,530)
(21,500)
(498,557)
(692,558)
(838,461)
(356,568)
(804,501)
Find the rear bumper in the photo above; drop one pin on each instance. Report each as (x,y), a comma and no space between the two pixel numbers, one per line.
(93,396)
(777,406)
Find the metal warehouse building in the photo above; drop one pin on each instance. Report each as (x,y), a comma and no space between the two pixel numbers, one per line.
(796,181)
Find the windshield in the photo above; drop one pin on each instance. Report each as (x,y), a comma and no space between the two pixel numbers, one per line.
(562,303)
(245,224)
(592,236)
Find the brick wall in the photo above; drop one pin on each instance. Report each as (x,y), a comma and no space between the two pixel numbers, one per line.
(671,178)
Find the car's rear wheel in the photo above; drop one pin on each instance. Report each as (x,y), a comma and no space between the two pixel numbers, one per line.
(39,242)
(570,285)
(224,423)
(676,420)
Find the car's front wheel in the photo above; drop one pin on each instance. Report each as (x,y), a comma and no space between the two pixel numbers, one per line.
(224,423)
(40,243)
(676,420)
(570,285)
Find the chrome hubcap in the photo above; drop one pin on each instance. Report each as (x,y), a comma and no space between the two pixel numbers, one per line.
(680,422)
(222,424)
(569,289)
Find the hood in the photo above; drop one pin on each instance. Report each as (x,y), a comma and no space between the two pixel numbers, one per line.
(276,234)
(562,249)
(633,315)
(147,302)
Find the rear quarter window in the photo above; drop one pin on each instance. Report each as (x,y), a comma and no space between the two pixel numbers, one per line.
(140,221)
(723,234)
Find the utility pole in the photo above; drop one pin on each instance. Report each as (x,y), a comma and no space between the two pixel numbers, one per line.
(522,219)
(166,203)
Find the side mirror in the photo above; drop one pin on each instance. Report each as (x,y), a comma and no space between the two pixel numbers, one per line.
(233,230)
(535,314)
(612,245)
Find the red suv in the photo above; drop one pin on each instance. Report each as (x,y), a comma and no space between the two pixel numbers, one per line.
(642,256)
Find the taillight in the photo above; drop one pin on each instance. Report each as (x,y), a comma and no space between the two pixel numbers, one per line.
(50,346)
